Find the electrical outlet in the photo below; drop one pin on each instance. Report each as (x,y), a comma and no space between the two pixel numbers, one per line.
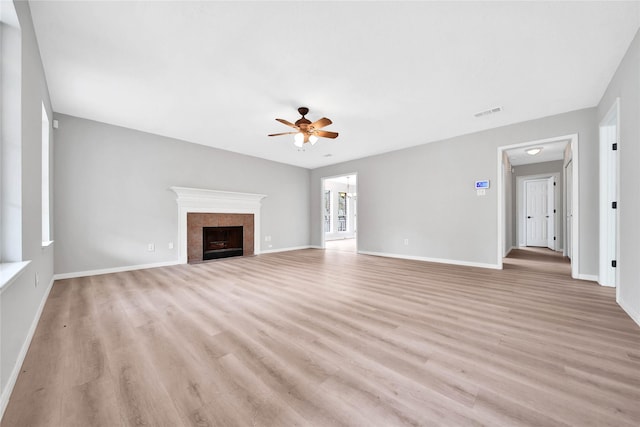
(267,238)
(406,242)
(170,245)
(151,247)
(37,279)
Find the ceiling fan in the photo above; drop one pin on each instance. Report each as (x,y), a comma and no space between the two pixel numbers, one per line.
(307,131)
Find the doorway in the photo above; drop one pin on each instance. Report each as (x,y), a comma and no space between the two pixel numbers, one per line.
(609,184)
(340,213)
(513,234)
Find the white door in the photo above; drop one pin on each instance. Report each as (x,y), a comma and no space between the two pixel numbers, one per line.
(551,212)
(569,203)
(608,196)
(536,212)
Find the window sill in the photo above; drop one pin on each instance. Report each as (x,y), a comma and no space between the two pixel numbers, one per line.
(46,244)
(9,272)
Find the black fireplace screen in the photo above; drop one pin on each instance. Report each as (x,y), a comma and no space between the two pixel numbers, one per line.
(221,242)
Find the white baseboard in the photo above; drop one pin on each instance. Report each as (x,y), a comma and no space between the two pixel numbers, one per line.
(315,247)
(590,277)
(603,285)
(294,248)
(11,382)
(509,251)
(631,312)
(113,270)
(438,260)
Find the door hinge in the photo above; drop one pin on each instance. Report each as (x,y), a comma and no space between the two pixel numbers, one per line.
(613,263)
(554,211)
(554,237)
(554,184)
(614,205)
(614,146)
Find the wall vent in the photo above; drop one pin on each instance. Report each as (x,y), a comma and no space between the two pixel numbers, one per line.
(487,112)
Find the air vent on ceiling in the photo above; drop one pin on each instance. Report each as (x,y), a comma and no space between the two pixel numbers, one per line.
(487,112)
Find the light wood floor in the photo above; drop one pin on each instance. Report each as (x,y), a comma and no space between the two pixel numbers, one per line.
(325,338)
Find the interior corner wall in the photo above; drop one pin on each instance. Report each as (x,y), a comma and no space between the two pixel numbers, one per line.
(626,86)
(21,302)
(426,193)
(539,169)
(113,197)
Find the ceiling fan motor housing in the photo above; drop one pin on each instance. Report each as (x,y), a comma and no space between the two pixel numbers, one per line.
(303,122)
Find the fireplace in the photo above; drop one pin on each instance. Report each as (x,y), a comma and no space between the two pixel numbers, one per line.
(219,235)
(198,208)
(221,242)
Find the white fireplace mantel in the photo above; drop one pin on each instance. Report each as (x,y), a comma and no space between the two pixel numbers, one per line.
(201,200)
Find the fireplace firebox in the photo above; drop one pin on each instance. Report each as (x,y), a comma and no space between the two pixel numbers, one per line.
(221,242)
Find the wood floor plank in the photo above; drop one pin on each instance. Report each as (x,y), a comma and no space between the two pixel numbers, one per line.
(321,338)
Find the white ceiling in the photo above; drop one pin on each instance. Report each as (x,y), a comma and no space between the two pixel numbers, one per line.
(389,74)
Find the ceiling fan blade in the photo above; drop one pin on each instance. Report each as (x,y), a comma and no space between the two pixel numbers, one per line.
(283,133)
(318,124)
(326,134)
(284,122)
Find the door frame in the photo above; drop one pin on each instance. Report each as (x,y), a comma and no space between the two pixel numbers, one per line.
(565,207)
(606,212)
(355,224)
(575,235)
(521,236)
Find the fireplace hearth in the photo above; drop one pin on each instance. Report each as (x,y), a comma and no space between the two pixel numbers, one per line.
(222,242)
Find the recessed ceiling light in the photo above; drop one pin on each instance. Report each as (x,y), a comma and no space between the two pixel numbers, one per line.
(533,151)
(328,155)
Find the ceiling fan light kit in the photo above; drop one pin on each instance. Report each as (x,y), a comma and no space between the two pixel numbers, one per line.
(306,131)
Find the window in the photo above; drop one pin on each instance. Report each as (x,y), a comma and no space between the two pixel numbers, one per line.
(46,230)
(342,211)
(11,263)
(327,211)
(11,135)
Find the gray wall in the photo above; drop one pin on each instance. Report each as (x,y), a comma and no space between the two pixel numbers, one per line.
(113,198)
(626,85)
(19,303)
(426,193)
(539,169)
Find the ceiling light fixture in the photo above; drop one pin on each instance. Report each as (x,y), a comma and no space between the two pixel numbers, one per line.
(305,130)
(533,151)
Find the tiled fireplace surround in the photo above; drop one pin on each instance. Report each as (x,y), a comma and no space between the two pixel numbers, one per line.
(196,221)
(205,207)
